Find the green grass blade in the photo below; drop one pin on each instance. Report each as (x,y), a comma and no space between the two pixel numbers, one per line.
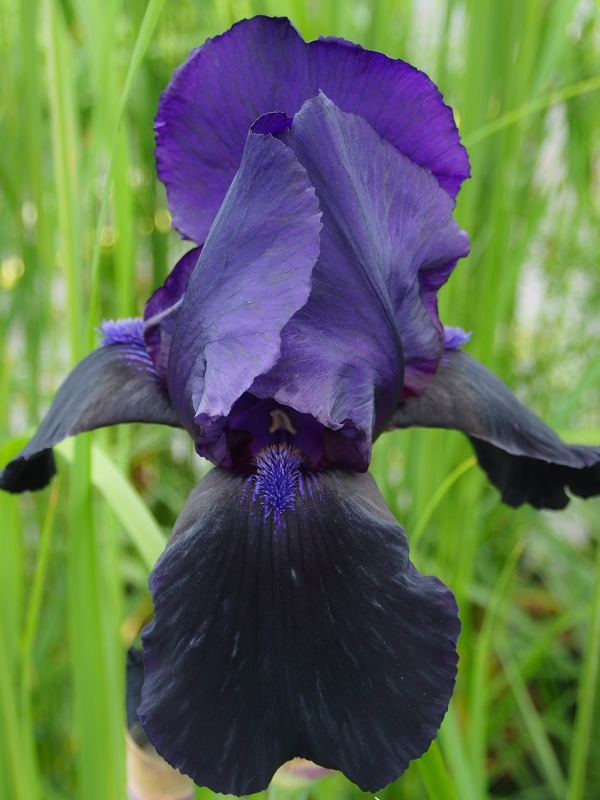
(65,145)
(124,501)
(535,727)
(148,25)
(34,606)
(438,496)
(13,750)
(19,778)
(88,661)
(479,694)
(586,698)
(527,109)
(451,742)
(11,448)
(434,775)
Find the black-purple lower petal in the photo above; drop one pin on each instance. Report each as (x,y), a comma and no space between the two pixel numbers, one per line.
(113,384)
(522,456)
(133,685)
(306,633)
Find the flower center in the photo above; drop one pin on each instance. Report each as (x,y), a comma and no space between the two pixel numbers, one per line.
(281,422)
(266,423)
(276,478)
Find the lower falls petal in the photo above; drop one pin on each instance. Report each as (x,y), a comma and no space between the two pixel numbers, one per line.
(302,633)
(149,777)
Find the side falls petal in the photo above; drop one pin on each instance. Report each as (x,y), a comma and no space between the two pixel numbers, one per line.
(521,455)
(113,384)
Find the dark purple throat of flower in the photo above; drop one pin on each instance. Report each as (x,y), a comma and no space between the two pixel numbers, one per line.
(281,468)
(256,424)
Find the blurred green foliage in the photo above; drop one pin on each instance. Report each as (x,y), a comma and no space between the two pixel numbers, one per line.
(524,720)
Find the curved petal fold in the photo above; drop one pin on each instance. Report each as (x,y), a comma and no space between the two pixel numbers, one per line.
(521,455)
(262,65)
(387,227)
(253,274)
(162,310)
(113,384)
(308,633)
(133,685)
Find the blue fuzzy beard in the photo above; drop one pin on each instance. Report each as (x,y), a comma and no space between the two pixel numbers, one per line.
(122,331)
(276,479)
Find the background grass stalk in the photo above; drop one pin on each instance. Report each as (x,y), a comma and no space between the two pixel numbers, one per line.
(480,701)
(148,25)
(19,778)
(32,616)
(542,103)
(586,698)
(535,727)
(438,496)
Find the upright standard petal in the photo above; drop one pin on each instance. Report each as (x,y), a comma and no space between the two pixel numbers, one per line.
(253,274)
(162,310)
(263,65)
(522,456)
(113,384)
(307,633)
(386,225)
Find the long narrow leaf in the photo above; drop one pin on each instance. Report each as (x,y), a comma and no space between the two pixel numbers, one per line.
(535,726)
(124,501)
(586,698)
(434,775)
(151,16)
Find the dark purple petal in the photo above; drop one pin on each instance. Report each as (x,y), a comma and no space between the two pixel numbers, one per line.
(274,122)
(253,274)
(113,384)
(133,686)
(522,456)
(387,226)
(311,636)
(162,310)
(262,65)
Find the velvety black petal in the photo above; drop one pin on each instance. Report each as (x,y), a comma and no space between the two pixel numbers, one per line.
(522,456)
(115,383)
(133,687)
(306,633)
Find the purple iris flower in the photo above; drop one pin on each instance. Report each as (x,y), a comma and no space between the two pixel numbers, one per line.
(318,182)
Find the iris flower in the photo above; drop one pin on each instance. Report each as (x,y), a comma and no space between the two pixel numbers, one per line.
(317,181)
